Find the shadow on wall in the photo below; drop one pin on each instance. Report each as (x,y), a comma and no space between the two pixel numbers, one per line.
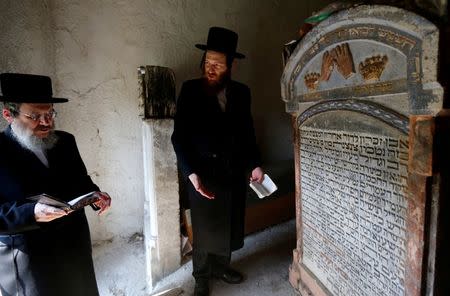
(272,123)
(188,68)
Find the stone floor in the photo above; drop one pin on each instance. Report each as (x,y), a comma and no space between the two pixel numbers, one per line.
(264,260)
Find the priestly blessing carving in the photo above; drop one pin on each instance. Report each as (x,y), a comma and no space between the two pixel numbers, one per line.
(372,67)
(341,58)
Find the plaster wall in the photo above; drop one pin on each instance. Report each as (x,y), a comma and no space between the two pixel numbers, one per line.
(92,50)
(26,38)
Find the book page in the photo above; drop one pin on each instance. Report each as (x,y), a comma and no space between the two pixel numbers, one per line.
(74,204)
(266,188)
(83,200)
(49,200)
(259,190)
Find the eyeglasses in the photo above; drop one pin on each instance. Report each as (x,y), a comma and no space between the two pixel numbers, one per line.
(38,117)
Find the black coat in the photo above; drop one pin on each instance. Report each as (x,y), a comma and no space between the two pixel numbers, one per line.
(220,147)
(52,258)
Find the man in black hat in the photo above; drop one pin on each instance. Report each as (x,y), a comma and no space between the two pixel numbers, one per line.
(44,250)
(215,144)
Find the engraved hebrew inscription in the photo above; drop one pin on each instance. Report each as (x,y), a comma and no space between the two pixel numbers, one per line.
(353,190)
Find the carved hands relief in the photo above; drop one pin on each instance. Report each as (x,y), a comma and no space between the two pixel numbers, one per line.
(372,67)
(312,80)
(341,58)
(327,66)
(344,60)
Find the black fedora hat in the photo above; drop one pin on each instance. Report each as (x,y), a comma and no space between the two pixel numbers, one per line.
(27,88)
(222,40)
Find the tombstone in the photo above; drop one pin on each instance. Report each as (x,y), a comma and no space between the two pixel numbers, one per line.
(361,88)
(161,206)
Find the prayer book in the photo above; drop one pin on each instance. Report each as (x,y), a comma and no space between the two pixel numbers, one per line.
(72,205)
(266,188)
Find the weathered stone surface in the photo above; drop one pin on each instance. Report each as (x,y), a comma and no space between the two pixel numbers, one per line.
(161,207)
(422,136)
(361,87)
(368,51)
(157,93)
(354,208)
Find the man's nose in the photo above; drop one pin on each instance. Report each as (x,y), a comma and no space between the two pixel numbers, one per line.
(45,120)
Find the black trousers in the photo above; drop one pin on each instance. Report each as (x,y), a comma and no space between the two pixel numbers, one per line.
(206,264)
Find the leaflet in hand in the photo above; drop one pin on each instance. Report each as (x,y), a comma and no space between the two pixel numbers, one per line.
(266,188)
(74,204)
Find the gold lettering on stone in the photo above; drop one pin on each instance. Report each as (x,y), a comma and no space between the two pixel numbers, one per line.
(313,96)
(373,88)
(358,90)
(354,210)
(355,32)
(370,32)
(392,37)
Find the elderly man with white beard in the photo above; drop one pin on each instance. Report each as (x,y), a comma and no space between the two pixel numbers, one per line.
(44,250)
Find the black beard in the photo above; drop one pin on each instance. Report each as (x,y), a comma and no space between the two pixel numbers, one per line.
(213,88)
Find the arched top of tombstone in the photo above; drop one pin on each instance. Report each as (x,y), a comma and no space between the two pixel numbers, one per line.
(380,54)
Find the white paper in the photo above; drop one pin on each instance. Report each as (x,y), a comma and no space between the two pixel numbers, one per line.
(266,188)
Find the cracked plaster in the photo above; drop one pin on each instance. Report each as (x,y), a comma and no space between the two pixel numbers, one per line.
(91,49)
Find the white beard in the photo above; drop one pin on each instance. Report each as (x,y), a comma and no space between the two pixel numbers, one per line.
(29,141)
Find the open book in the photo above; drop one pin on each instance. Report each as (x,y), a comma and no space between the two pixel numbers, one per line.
(266,188)
(74,204)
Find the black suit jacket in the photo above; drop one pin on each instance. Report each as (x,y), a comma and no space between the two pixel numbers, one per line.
(64,242)
(203,131)
(220,147)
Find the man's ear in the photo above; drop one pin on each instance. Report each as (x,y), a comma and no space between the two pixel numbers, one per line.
(7,115)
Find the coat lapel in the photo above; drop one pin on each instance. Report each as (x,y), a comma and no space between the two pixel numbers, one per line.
(231,98)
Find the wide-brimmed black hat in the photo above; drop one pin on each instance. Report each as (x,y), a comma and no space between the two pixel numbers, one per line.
(222,40)
(27,88)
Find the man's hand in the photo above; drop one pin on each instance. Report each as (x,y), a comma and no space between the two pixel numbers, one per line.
(257,175)
(104,202)
(195,180)
(45,213)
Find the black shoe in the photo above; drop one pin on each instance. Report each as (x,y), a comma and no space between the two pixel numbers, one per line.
(201,288)
(230,276)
